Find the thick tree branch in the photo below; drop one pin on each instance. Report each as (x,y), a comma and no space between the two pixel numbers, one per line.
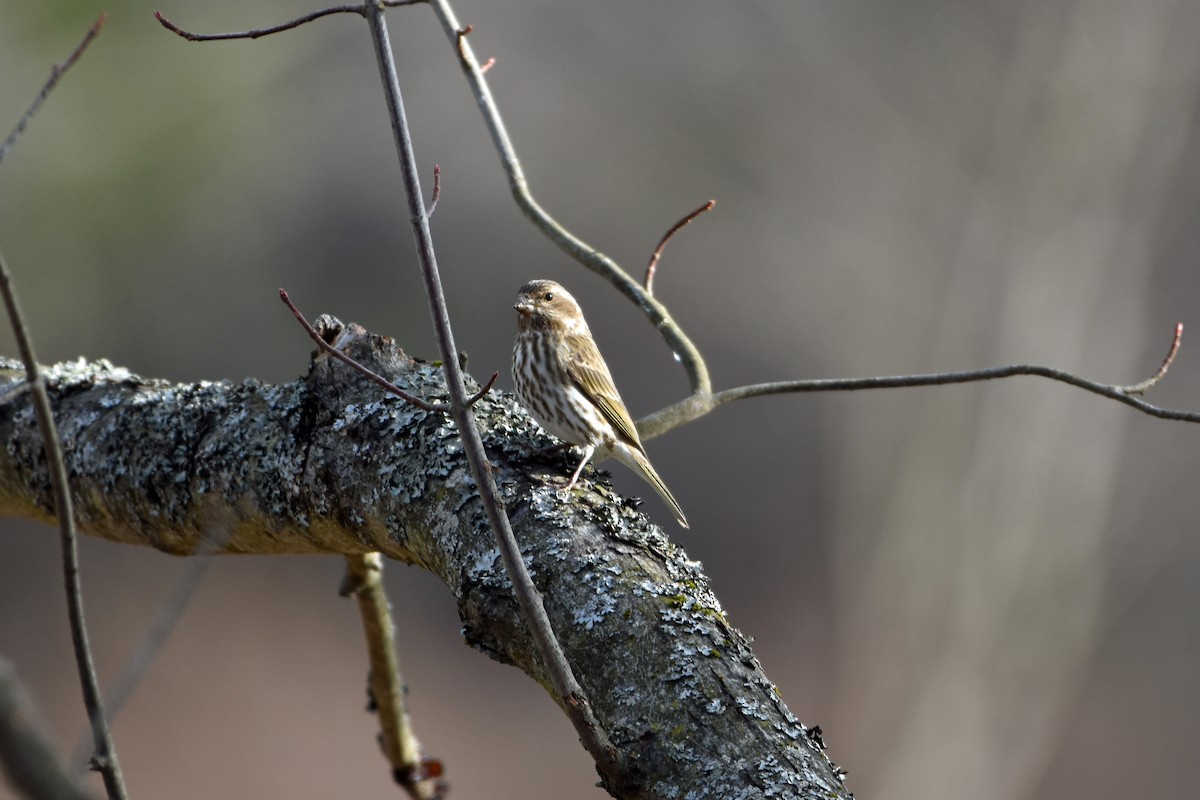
(328,465)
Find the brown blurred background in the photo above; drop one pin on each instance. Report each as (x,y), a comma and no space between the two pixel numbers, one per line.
(984,591)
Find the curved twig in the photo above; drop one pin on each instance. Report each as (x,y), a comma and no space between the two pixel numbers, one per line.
(653,265)
(690,408)
(1149,383)
(473,399)
(255,33)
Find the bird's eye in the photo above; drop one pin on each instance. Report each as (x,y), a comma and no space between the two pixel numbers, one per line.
(548,296)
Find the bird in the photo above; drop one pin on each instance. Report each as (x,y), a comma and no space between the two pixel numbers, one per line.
(564,383)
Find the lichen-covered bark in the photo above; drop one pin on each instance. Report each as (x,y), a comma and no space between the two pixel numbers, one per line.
(330,464)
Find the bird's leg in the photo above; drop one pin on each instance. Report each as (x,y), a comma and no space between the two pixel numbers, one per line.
(587,456)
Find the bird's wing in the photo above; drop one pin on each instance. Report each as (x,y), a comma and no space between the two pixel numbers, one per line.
(590,375)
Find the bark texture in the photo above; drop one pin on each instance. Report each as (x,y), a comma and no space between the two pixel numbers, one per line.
(331,464)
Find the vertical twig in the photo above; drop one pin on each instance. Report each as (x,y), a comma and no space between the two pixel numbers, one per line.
(364,580)
(570,692)
(106,755)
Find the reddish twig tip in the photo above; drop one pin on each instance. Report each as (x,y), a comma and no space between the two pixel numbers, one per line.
(1146,385)
(653,265)
(487,387)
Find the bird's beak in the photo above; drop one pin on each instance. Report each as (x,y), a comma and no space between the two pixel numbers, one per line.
(523,306)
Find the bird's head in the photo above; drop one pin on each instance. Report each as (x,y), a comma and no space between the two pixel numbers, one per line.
(545,304)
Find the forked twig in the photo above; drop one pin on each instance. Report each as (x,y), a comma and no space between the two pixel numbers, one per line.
(371,374)
(687,409)
(653,265)
(56,74)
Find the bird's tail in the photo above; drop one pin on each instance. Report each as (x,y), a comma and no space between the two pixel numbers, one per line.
(636,460)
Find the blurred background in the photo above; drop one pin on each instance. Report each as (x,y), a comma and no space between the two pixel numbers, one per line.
(983,591)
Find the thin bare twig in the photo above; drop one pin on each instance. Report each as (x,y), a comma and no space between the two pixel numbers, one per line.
(105,758)
(571,694)
(418,776)
(56,74)
(255,33)
(1149,383)
(653,265)
(943,378)
(375,376)
(686,410)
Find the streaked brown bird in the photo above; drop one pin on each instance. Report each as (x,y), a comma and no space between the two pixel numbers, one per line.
(563,382)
